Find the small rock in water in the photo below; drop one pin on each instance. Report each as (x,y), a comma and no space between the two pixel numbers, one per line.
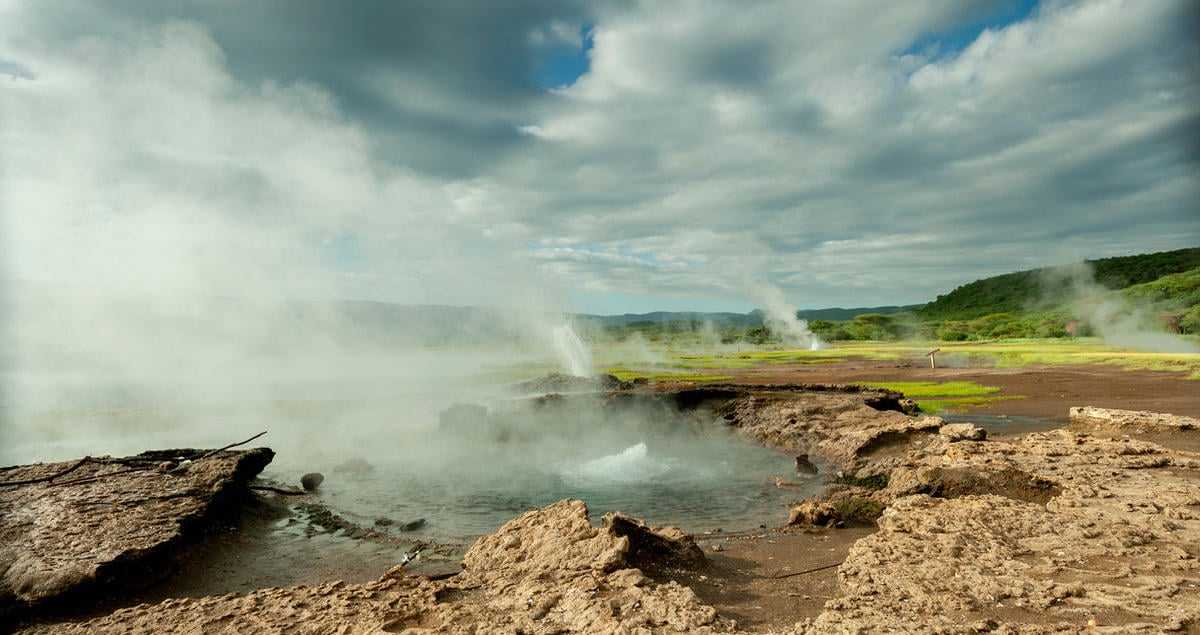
(805,466)
(962,432)
(384,522)
(413,525)
(311,481)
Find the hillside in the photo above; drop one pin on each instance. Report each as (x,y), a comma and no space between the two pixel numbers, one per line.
(1048,287)
(737,320)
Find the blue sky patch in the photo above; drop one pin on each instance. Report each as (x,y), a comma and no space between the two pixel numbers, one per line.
(562,65)
(952,41)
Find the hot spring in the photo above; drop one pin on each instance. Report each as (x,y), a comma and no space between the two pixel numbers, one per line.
(443,439)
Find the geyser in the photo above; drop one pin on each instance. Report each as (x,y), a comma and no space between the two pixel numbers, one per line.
(573,353)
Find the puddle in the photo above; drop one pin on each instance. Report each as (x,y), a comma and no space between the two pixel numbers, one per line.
(1004,425)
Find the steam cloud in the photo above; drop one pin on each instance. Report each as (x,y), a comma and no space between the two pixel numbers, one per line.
(780,318)
(1116,320)
(161,219)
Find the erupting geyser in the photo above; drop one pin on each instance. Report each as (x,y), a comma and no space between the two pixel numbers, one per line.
(573,352)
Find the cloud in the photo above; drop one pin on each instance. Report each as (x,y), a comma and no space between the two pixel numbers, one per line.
(776,129)
(840,153)
(441,85)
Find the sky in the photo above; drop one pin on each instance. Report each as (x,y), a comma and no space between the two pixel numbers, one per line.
(600,157)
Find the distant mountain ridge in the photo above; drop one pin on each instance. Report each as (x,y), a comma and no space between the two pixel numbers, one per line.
(739,320)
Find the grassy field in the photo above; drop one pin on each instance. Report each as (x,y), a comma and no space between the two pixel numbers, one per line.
(948,396)
(1000,353)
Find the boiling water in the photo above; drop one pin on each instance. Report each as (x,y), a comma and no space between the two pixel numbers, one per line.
(700,484)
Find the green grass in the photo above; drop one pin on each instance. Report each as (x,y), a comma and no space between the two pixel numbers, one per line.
(1009,353)
(959,406)
(949,396)
(914,389)
(1023,353)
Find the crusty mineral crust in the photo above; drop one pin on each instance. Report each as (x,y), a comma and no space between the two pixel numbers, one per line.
(109,524)
(1117,544)
(1108,419)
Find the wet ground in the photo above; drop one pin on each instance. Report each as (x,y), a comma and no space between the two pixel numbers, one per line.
(1038,391)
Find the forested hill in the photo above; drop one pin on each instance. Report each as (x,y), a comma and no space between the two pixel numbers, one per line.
(1044,287)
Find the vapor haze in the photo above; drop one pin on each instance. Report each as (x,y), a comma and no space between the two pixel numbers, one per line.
(192,195)
(1117,320)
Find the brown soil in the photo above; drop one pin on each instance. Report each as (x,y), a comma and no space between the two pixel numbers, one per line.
(773,578)
(1045,392)
(745,582)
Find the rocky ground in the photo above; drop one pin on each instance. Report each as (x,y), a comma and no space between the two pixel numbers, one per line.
(1092,527)
(105,526)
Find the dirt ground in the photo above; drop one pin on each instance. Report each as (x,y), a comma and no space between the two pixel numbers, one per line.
(771,579)
(1046,392)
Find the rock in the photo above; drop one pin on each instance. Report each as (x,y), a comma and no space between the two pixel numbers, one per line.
(814,513)
(840,424)
(311,481)
(1048,529)
(805,466)
(108,526)
(654,548)
(1090,418)
(412,525)
(962,432)
(558,382)
(384,522)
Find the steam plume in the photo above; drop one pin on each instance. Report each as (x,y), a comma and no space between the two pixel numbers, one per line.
(1115,319)
(780,318)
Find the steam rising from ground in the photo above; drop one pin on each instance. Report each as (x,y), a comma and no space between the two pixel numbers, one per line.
(174,240)
(1113,317)
(780,318)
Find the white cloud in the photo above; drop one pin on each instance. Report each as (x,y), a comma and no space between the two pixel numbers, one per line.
(803,144)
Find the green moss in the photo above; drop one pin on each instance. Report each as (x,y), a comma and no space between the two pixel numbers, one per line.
(858,510)
(875,481)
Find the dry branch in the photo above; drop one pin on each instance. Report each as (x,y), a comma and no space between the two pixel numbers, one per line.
(231,445)
(814,570)
(48,478)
